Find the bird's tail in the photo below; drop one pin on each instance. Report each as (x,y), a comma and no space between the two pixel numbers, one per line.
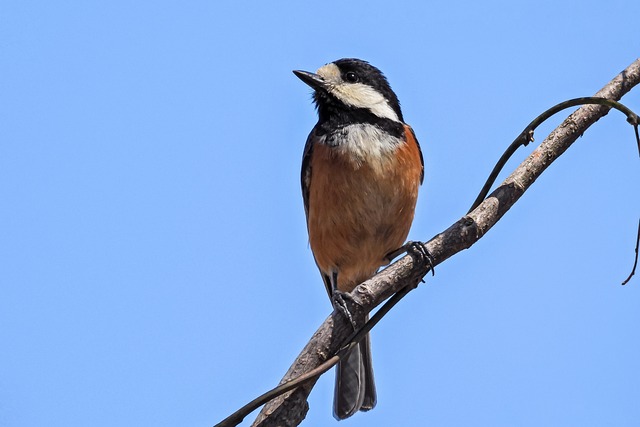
(355,388)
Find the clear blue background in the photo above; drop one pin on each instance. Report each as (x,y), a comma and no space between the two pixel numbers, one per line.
(154,266)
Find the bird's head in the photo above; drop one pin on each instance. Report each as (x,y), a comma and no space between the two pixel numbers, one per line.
(352,86)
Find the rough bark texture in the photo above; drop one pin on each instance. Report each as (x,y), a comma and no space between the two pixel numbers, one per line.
(291,408)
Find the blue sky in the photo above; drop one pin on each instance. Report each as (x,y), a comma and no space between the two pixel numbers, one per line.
(154,266)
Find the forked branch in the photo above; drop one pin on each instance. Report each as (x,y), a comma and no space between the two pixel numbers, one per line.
(290,408)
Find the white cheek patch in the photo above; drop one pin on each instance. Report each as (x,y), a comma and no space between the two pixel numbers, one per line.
(363,96)
(356,95)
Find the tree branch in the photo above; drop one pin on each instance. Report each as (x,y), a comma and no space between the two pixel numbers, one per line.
(290,409)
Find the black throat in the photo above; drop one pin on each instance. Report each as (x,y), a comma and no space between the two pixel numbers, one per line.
(334,116)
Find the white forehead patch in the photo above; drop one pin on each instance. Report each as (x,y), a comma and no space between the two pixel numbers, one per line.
(357,95)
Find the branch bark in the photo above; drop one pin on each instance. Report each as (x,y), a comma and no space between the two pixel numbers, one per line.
(291,408)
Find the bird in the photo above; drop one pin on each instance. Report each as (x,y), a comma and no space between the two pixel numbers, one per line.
(362,167)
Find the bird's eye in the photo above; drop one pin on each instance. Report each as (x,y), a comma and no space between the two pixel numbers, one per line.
(351,77)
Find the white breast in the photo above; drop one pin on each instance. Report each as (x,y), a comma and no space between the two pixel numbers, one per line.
(364,144)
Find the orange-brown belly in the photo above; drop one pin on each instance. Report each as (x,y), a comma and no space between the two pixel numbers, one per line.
(357,215)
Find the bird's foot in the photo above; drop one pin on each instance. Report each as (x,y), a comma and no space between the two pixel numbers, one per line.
(345,304)
(414,248)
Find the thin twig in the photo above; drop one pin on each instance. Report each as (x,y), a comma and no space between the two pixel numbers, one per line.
(526,136)
(238,416)
(635,263)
